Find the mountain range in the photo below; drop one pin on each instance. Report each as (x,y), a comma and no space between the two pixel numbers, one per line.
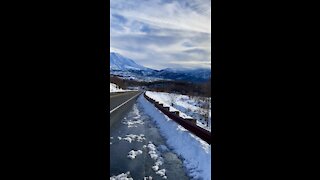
(129,69)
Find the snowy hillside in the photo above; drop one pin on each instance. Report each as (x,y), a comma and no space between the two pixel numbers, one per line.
(129,69)
(118,62)
(115,88)
(198,108)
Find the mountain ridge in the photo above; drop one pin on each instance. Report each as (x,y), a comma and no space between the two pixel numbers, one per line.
(119,62)
(128,68)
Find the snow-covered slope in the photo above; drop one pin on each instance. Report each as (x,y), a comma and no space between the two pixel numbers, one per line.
(198,108)
(115,88)
(127,68)
(119,62)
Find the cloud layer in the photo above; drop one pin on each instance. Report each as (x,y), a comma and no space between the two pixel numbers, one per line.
(162,33)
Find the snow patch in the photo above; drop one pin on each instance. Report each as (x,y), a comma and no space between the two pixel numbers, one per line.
(155,155)
(122,176)
(132,154)
(115,88)
(133,137)
(135,121)
(162,173)
(110,140)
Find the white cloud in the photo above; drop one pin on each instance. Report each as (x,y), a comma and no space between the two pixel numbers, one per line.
(157,33)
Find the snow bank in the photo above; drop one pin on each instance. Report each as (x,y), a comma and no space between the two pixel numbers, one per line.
(195,152)
(188,106)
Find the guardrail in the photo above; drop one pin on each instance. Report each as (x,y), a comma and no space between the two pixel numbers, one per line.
(189,124)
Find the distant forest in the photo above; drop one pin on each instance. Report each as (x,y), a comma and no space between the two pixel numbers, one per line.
(180,87)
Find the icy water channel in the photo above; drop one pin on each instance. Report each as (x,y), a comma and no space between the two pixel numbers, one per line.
(137,146)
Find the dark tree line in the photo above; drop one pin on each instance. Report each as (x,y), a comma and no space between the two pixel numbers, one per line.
(180,87)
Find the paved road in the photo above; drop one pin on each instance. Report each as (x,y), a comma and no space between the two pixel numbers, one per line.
(117,99)
(120,104)
(135,122)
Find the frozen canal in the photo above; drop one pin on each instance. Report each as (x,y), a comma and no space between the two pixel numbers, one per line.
(136,146)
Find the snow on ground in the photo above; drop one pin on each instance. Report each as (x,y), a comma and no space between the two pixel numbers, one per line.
(162,173)
(133,123)
(133,137)
(189,106)
(155,155)
(132,154)
(111,138)
(195,152)
(122,176)
(115,88)
(147,178)
(136,119)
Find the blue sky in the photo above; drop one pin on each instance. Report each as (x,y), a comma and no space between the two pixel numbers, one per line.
(162,33)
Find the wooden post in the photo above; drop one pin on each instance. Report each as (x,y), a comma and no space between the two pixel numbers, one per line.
(191,120)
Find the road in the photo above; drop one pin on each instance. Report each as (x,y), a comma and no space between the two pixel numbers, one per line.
(117,99)
(133,121)
(120,104)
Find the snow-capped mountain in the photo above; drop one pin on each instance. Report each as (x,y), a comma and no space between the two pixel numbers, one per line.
(127,68)
(119,62)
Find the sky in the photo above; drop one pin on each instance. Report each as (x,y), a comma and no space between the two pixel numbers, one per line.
(162,33)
